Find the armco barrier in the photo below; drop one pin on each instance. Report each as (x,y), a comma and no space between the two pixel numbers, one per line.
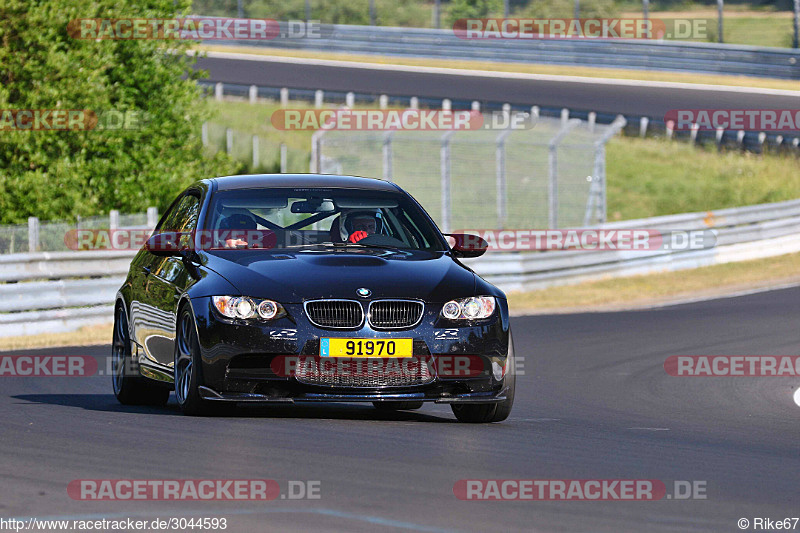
(60,291)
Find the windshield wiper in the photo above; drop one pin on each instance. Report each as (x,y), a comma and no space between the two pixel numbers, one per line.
(377,246)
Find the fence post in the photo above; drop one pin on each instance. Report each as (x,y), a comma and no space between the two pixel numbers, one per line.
(253,94)
(152,217)
(643,122)
(383,101)
(284,97)
(564,116)
(500,170)
(693,132)
(204,133)
(283,158)
(33,234)
(592,120)
(228,141)
(316,152)
(552,165)
(447,105)
(319,95)
(255,152)
(113,219)
(476,105)
(444,164)
(597,189)
(350,100)
(414,103)
(387,155)
(218,92)
(670,129)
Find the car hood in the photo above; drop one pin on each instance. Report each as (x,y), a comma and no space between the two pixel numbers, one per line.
(295,276)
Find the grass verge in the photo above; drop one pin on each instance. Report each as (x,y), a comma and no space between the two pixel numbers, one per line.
(86,336)
(654,289)
(652,177)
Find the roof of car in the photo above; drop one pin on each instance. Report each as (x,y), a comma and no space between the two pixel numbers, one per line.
(253,181)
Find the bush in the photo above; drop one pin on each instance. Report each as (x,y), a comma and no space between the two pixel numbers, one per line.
(63,174)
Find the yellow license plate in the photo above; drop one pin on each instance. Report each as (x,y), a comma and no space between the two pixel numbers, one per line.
(332,347)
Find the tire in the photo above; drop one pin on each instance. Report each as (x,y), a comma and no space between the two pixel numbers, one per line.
(491,412)
(188,368)
(397,406)
(129,387)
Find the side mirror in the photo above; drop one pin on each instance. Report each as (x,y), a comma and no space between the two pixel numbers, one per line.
(166,244)
(467,245)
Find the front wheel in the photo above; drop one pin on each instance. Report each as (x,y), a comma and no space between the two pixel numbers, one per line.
(492,412)
(188,368)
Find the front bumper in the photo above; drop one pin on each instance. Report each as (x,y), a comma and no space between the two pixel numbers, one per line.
(239,358)
(239,397)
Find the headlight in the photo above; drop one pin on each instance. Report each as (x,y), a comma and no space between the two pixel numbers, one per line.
(474,308)
(245,308)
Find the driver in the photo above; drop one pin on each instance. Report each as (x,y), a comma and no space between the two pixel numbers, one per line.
(357,225)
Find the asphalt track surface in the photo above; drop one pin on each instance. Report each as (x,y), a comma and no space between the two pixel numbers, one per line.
(628,99)
(594,403)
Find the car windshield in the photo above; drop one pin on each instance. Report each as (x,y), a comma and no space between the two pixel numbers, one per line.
(307,218)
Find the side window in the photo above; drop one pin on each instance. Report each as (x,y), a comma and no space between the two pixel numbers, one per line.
(182,218)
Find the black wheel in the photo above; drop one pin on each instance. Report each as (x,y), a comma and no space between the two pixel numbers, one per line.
(397,406)
(129,387)
(491,412)
(188,368)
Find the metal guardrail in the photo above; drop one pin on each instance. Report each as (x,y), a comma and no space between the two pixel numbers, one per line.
(741,233)
(630,54)
(47,292)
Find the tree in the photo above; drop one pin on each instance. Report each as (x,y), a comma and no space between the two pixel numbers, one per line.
(62,174)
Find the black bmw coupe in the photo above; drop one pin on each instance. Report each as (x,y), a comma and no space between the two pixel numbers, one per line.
(310,288)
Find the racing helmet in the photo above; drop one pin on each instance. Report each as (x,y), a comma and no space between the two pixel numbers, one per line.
(346,219)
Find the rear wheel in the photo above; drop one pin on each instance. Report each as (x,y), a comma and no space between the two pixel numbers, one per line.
(397,406)
(129,387)
(491,412)
(188,368)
